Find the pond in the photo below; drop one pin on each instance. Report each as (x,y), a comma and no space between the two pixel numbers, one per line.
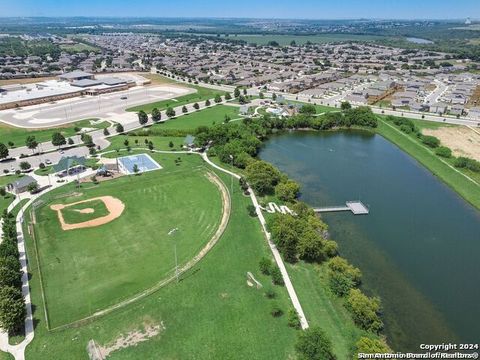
(418,249)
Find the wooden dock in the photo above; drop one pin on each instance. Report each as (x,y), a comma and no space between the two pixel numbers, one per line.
(356,207)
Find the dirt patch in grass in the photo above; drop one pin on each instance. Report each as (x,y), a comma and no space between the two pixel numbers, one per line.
(133,338)
(462,140)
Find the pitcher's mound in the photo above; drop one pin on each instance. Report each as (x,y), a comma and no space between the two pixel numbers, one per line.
(114,206)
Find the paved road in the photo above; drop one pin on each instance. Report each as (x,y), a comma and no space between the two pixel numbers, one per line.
(129,121)
(101,106)
(433,97)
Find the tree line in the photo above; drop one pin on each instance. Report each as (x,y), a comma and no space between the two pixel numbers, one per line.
(12,303)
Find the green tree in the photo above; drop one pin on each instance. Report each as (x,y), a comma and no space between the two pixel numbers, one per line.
(262,177)
(218,98)
(196,106)
(184,109)
(142,117)
(228,96)
(365,311)
(261,95)
(70,141)
(3,151)
(3,192)
(287,191)
(345,105)
(32,187)
(342,276)
(236,92)
(310,246)
(25,165)
(207,103)
(119,128)
(313,344)
(274,96)
(170,112)
(367,345)
(106,132)
(156,115)
(58,139)
(31,143)
(170,144)
(308,109)
(245,91)
(12,308)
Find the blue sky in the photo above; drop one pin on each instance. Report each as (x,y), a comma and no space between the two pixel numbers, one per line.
(312,9)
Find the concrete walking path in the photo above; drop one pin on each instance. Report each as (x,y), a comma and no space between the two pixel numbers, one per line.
(276,254)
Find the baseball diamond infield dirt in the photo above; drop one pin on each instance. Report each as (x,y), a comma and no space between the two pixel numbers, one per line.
(114,206)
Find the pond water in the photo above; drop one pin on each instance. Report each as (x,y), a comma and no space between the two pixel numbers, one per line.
(419,247)
(419,40)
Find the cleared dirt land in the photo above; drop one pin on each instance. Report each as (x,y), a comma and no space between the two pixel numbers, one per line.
(462,140)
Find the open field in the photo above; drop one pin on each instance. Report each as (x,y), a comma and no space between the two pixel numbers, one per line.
(18,135)
(462,140)
(465,183)
(158,79)
(88,269)
(303,39)
(206,117)
(159,142)
(323,308)
(79,47)
(213,292)
(200,95)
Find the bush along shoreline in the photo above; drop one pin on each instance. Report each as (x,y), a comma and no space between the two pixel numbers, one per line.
(303,236)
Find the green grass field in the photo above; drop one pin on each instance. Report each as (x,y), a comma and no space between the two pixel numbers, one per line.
(73,214)
(159,142)
(87,270)
(206,117)
(442,168)
(200,95)
(18,135)
(210,314)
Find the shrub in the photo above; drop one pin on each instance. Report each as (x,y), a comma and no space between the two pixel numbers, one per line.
(270,294)
(443,151)
(365,311)
(287,191)
(366,345)
(265,265)
(342,276)
(276,311)
(313,344)
(430,141)
(277,277)
(251,210)
(293,319)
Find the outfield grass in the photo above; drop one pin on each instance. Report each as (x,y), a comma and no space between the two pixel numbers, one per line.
(18,135)
(87,270)
(206,117)
(210,314)
(442,168)
(200,95)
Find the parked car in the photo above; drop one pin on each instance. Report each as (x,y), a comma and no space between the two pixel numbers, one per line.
(48,162)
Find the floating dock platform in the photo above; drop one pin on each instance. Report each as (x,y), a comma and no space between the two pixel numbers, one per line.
(356,207)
